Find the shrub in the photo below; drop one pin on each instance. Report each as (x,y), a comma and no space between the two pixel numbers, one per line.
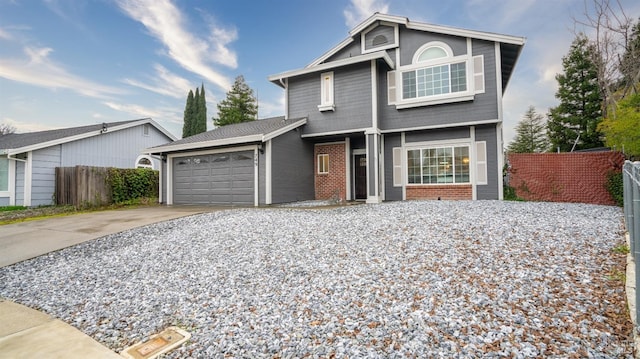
(615,187)
(132,184)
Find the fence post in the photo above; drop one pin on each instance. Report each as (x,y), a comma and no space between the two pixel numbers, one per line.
(633,226)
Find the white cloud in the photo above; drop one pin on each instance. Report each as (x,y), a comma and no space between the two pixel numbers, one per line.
(135,111)
(39,70)
(164,82)
(360,10)
(272,108)
(165,22)
(23,127)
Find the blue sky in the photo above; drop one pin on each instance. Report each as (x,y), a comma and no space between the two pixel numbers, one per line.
(67,63)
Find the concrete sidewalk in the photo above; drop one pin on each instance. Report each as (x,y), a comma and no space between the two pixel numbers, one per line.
(28,333)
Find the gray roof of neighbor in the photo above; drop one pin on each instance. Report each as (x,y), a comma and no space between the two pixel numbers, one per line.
(17,140)
(253,128)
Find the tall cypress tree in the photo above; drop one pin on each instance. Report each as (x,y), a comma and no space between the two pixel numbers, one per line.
(577,117)
(188,115)
(200,124)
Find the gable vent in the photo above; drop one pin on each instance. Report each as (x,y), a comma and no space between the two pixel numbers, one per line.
(379,40)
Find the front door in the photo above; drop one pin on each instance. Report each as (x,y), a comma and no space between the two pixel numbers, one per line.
(360,176)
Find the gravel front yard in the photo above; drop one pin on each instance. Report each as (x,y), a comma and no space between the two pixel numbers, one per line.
(416,279)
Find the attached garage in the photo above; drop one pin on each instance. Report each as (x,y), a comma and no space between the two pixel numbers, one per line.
(254,163)
(226,178)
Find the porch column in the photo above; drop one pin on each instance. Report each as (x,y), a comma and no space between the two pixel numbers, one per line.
(373,167)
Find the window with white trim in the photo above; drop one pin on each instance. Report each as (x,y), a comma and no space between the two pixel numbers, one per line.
(323,163)
(326,92)
(432,76)
(145,129)
(435,76)
(4,174)
(438,165)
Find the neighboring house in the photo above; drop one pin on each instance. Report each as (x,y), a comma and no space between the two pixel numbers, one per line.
(28,160)
(399,110)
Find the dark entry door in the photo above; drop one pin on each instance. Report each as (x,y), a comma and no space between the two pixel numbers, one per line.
(360,173)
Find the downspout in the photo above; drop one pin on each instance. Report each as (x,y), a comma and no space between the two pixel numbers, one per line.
(15,159)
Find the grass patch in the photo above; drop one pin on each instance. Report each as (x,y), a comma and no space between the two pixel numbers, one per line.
(621,249)
(11,208)
(25,214)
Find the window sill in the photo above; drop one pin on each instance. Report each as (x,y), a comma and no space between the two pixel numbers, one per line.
(323,108)
(425,102)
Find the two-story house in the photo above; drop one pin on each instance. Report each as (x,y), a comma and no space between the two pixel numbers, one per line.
(398,110)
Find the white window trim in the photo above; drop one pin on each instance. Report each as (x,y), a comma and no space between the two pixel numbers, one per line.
(146,130)
(327,104)
(152,165)
(461,96)
(437,144)
(391,45)
(439,44)
(320,172)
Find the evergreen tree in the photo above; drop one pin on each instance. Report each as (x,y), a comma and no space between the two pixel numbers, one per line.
(188,115)
(200,124)
(580,109)
(239,106)
(531,136)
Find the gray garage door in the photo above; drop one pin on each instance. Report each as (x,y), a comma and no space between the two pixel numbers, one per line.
(218,179)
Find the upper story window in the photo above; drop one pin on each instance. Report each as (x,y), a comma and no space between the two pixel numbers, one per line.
(326,92)
(145,129)
(434,76)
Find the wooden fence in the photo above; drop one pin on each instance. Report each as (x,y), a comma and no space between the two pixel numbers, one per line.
(82,186)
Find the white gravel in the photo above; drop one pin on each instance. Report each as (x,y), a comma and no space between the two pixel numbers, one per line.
(417,279)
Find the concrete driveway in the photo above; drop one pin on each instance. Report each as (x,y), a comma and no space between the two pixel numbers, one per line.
(25,240)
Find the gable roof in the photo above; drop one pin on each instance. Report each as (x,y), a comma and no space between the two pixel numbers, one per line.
(253,131)
(23,142)
(510,46)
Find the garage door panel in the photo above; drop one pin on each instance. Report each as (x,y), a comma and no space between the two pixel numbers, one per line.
(218,179)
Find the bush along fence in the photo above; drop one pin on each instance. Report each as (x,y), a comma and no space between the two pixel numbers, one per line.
(85,186)
(585,177)
(631,183)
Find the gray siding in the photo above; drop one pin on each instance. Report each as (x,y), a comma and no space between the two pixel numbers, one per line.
(352,98)
(43,175)
(411,40)
(488,133)
(482,108)
(4,201)
(351,50)
(20,166)
(391,193)
(437,135)
(111,149)
(386,31)
(292,168)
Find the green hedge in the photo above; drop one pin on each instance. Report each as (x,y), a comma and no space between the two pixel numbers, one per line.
(615,187)
(129,184)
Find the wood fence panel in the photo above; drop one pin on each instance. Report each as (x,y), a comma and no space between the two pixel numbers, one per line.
(82,186)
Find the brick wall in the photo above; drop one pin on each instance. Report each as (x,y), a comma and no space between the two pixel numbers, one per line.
(444,192)
(331,185)
(563,177)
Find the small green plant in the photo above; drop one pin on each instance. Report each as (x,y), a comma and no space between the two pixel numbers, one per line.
(615,187)
(621,249)
(12,208)
(510,194)
(617,275)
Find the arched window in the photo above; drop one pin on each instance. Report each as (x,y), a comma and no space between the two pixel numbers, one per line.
(379,40)
(435,72)
(144,161)
(432,51)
